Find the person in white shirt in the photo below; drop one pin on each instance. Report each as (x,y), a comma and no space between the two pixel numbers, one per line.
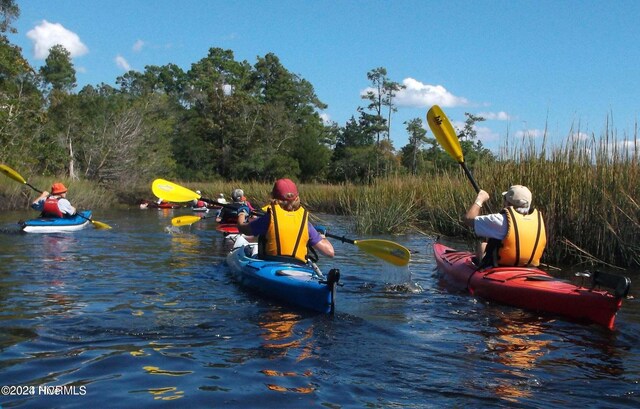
(54,204)
(516,236)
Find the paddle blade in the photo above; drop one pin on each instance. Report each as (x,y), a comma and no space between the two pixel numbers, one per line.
(387,250)
(171,192)
(185,220)
(100,226)
(444,133)
(12,174)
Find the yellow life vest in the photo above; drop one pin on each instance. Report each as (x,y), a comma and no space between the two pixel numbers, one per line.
(525,240)
(288,233)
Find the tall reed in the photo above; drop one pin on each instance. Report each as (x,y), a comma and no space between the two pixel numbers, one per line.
(588,190)
(82,194)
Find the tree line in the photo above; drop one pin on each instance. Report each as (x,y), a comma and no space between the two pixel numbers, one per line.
(221,118)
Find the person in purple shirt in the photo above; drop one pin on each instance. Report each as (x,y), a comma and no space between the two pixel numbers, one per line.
(284,230)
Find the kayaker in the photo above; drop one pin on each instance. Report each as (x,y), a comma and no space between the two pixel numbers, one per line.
(516,236)
(198,203)
(284,230)
(230,212)
(221,199)
(54,204)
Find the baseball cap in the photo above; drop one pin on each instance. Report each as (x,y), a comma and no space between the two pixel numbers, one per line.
(285,189)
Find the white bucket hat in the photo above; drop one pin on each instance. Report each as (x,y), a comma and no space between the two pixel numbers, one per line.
(518,196)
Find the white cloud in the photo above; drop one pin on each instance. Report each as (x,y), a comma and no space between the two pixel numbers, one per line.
(45,35)
(419,95)
(122,63)
(326,119)
(137,46)
(486,134)
(497,116)
(627,148)
(483,133)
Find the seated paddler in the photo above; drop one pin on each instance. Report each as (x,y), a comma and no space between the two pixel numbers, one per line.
(515,236)
(54,204)
(284,230)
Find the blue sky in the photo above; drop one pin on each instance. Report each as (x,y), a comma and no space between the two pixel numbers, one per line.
(566,66)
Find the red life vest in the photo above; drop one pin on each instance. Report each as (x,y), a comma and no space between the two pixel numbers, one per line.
(50,208)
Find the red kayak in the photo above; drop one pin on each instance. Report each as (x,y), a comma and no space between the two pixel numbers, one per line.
(228,228)
(146,204)
(533,289)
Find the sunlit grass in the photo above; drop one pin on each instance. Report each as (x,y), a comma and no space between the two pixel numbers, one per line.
(588,190)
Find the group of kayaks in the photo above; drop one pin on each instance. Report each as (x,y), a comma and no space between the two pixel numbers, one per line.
(529,288)
(305,286)
(148,204)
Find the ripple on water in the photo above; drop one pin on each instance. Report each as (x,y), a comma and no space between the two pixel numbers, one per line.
(142,314)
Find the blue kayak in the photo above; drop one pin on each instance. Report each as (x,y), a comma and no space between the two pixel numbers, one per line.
(57,224)
(300,285)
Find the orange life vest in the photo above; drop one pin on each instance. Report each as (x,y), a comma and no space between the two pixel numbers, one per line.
(288,233)
(525,240)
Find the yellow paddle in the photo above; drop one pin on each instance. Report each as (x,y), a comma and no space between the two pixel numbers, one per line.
(444,133)
(387,250)
(18,178)
(172,192)
(187,220)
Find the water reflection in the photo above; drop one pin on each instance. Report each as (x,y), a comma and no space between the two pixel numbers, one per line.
(184,247)
(281,340)
(58,256)
(518,344)
(57,249)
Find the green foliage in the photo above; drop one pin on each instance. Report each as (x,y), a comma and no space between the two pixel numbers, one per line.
(21,115)
(312,156)
(58,70)
(353,164)
(9,11)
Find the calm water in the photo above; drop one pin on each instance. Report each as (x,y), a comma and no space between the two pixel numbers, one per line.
(145,315)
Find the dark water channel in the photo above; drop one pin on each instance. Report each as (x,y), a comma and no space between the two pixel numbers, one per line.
(144,315)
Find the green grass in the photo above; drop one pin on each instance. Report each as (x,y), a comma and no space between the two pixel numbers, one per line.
(588,191)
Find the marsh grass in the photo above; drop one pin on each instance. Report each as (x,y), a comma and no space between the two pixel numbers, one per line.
(81,193)
(587,189)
